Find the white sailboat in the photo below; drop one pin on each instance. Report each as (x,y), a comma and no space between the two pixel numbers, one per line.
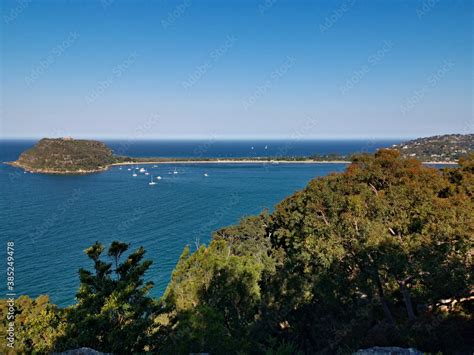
(206,174)
(158,178)
(151,181)
(134,174)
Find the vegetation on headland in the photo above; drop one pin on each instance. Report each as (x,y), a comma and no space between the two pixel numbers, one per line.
(66,155)
(446,148)
(378,255)
(70,156)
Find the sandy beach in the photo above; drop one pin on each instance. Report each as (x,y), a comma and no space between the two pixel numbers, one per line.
(230,161)
(248,161)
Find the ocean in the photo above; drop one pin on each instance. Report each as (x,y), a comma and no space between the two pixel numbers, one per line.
(53,218)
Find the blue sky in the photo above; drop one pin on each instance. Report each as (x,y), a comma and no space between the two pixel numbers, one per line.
(236,69)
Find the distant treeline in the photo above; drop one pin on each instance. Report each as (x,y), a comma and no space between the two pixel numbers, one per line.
(316,157)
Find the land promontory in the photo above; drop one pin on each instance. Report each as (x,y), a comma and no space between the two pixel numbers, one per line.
(66,156)
(444,148)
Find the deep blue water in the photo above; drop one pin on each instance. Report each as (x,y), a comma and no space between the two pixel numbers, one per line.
(52,219)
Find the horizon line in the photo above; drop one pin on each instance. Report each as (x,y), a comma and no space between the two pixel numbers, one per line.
(224,138)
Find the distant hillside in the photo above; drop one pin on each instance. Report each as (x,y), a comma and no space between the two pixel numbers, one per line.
(447,148)
(66,155)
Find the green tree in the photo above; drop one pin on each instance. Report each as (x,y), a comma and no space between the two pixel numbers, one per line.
(113,311)
(38,325)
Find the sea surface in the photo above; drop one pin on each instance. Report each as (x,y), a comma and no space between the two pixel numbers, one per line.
(53,218)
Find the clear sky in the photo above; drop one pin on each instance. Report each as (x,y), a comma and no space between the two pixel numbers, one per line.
(236,69)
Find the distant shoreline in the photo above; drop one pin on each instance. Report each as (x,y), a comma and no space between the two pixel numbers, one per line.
(81,156)
(440,163)
(65,172)
(216,161)
(273,162)
(231,161)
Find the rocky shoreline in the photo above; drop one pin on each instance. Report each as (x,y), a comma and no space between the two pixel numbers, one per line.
(56,172)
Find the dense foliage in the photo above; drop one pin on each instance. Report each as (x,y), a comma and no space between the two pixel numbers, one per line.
(66,155)
(38,325)
(378,255)
(113,311)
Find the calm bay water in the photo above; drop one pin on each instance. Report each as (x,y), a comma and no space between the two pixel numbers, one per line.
(52,219)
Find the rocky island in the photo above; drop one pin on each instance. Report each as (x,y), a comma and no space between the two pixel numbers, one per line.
(66,156)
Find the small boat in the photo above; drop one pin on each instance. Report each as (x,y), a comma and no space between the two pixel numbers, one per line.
(147,173)
(155,166)
(175,171)
(158,178)
(142,170)
(129,169)
(120,168)
(266,147)
(134,174)
(206,174)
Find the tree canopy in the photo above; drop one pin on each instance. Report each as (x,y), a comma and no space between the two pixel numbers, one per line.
(367,257)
